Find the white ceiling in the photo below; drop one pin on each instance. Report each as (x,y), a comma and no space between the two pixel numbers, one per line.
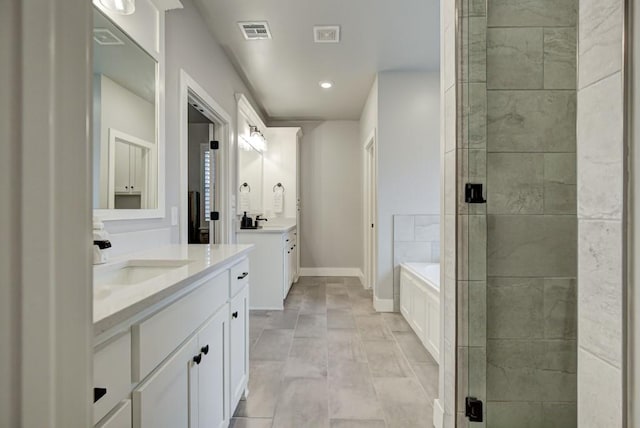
(283,73)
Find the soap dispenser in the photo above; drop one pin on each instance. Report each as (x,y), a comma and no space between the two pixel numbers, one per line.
(247,222)
(101,243)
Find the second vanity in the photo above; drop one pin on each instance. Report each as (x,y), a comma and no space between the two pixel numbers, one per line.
(274,263)
(171,330)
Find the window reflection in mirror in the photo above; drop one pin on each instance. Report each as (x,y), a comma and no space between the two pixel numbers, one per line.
(125,155)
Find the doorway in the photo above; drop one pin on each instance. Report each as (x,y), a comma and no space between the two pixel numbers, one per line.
(202,194)
(205,164)
(370,210)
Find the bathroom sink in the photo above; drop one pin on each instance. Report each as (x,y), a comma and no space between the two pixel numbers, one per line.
(136,271)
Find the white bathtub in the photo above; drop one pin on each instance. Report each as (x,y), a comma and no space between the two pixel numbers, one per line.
(420,302)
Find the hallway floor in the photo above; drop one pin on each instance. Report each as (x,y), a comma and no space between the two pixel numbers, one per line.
(329,360)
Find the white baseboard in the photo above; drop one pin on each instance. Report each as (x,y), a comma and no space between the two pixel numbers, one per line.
(331,272)
(438,414)
(382,305)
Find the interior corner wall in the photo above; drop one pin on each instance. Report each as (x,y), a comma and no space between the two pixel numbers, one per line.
(331,195)
(408,138)
(191,47)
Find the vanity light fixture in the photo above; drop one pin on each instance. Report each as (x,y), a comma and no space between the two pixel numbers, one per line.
(325,84)
(122,7)
(257,139)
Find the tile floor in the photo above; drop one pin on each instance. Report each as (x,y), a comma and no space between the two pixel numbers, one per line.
(329,360)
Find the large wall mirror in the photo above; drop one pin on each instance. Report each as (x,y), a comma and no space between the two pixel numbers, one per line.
(126,168)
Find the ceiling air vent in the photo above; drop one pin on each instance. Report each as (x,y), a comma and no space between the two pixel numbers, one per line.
(326,34)
(258,30)
(105,37)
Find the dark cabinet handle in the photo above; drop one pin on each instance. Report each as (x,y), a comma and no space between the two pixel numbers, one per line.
(205,350)
(235,314)
(244,275)
(197,359)
(98,393)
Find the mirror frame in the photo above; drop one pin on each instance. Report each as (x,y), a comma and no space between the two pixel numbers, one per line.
(146,28)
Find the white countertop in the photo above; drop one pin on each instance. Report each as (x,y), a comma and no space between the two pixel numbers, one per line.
(115,304)
(274,225)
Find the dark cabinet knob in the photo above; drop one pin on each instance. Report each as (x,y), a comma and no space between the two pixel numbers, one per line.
(244,275)
(205,350)
(235,314)
(197,359)
(98,393)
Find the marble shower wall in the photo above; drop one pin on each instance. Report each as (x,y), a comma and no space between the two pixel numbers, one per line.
(517,255)
(601,206)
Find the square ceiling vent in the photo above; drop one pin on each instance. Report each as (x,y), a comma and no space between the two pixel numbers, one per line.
(326,34)
(256,30)
(105,37)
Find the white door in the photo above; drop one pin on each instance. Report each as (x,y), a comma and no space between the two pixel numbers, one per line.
(164,400)
(370,209)
(121,166)
(213,400)
(239,345)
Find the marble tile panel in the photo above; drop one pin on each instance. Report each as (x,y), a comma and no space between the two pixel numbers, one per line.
(302,402)
(472,313)
(515,414)
(472,166)
(264,383)
(473,119)
(472,249)
(600,389)
(386,359)
(559,415)
(474,49)
(311,325)
(531,121)
(531,370)
(515,308)
(600,153)
(404,402)
(600,293)
(472,374)
(272,345)
(411,252)
(532,13)
(515,58)
(600,35)
(560,308)
(345,344)
(560,183)
(515,183)
(531,246)
(307,358)
(560,58)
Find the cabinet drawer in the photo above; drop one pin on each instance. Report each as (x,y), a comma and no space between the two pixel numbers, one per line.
(156,337)
(111,371)
(121,417)
(239,276)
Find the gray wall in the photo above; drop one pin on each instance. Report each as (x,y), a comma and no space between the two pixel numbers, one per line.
(408,159)
(601,196)
(189,46)
(331,195)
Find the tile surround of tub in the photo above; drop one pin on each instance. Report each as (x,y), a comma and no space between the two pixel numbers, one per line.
(416,238)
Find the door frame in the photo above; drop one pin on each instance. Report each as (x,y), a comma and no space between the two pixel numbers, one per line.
(191,90)
(370,209)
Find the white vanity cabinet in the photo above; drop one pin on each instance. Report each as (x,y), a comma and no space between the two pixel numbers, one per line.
(184,363)
(274,265)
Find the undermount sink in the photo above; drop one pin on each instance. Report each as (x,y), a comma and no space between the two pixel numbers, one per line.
(136,271)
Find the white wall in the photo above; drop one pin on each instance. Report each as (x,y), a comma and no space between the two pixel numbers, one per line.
(331,195)
(408,157)
(124,111)
(189,46)
(280,167)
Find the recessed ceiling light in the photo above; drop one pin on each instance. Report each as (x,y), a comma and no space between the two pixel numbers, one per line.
(326,84)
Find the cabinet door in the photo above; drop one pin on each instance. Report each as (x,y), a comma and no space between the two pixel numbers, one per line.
(120,418)
(286,253)
(136,170)
(213,371)
(165,399)
(121,167)
(238,336)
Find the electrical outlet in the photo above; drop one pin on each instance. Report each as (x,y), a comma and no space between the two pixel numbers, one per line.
(174,216)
